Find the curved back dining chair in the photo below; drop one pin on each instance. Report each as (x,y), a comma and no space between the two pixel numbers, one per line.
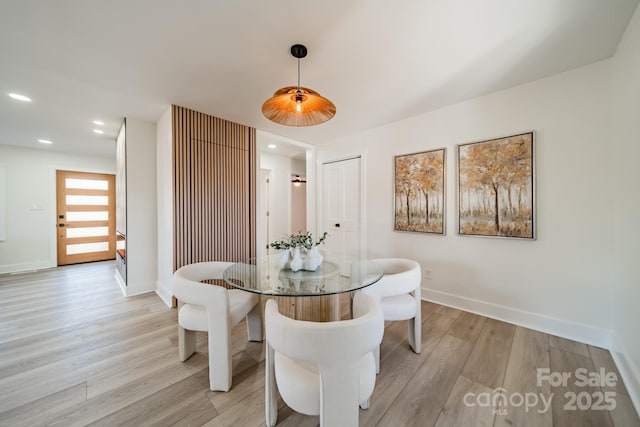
(398,292)
(213,309)
(322,368)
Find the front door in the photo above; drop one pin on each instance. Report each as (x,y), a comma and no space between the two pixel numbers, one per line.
(341,210)
(85,217)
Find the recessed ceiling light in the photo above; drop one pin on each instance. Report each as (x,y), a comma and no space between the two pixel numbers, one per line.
(98,122)
(20,97)
(100,131)
(45,141)
(272,146)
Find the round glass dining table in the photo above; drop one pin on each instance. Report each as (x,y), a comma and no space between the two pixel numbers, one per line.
(316,291)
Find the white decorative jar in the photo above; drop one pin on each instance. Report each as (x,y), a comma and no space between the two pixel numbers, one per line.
(313,259)
(297,259)
(285,257)
(296,263)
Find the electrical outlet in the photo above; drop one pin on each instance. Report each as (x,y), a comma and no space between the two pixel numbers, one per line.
(427,274)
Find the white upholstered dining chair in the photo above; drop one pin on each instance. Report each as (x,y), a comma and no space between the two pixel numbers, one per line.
(322,368)
(398,292)
(213,309)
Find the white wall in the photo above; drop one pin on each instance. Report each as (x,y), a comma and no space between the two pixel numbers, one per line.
(298,197)
(3,201)
(141,207)
(299,207)
(625,148)
(164,169)
(31,204)
(559,283)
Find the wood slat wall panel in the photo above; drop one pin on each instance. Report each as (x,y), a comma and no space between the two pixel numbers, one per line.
(214,178)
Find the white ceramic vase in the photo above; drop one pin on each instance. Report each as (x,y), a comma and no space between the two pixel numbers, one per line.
(284,259)
(297,259)
(296,263)
(313,259)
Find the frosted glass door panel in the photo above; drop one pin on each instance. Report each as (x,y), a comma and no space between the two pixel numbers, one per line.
(87,200)
(84,248)
(87,184)
(88,216)
(87,232)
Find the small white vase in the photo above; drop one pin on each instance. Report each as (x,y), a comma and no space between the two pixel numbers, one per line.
(296,262)
(313,259)
(284,259)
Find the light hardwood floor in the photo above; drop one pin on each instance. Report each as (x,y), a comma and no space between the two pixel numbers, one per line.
(73,351)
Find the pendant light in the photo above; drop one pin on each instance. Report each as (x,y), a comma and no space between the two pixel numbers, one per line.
(297,180)
(297,105)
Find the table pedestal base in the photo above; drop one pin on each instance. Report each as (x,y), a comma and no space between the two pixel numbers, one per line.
(326,308)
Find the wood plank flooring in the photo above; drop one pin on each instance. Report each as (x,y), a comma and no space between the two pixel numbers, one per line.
(75,352)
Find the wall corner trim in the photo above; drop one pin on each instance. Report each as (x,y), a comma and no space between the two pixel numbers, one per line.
(164,293)
(123,286)
(629,371)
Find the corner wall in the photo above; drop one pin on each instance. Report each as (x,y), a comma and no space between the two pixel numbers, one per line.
(559,283)
(625,274)
(141,207)
(164,169)
(31,204)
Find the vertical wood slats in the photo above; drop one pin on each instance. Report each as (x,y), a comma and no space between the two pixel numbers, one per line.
(214,180)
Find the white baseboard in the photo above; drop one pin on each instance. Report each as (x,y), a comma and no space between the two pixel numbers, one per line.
(25,267)
(143,292)
(629,371)
(164,293)
(139,287)
(123,286)
(126,290)
(539,322)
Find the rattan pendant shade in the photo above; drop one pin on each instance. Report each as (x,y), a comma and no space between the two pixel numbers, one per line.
(297,105)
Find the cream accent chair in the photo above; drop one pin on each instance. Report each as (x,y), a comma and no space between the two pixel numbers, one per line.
(399,294)
(213,309)
(322,368)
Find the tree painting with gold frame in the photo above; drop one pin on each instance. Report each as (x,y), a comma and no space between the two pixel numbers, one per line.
(496,187)
(419,192)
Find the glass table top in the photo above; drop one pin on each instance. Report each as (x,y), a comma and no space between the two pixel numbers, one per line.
(335,275)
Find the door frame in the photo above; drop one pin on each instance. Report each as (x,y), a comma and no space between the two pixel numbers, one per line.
(50,211)
(262,200)
(363,191)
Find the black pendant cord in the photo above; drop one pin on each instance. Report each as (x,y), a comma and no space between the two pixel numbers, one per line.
(298,51)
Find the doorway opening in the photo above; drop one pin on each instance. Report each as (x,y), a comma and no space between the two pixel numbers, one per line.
(85,217)
(283,196)
(298,203)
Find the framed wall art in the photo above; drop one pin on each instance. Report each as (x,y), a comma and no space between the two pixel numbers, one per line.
(496,194)
(419,192)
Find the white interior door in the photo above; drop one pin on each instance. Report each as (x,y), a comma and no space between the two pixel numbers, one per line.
(341,189)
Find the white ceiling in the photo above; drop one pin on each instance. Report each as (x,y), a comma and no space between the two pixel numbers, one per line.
(378,61)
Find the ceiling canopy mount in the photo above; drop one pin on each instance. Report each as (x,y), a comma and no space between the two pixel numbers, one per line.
(298,51)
